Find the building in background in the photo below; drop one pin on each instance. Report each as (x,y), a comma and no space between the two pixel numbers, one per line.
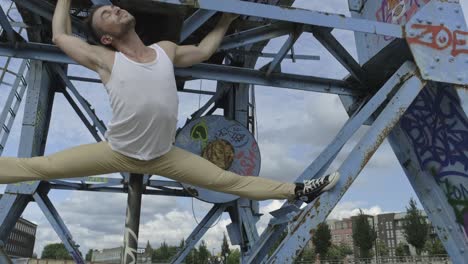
(389,228)
(20,243)
(341,231)
(386,232)
(114,256)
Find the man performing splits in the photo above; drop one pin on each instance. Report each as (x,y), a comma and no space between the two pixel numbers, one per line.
(141,85)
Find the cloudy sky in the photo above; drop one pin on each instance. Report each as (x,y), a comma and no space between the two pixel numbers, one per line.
(293,128)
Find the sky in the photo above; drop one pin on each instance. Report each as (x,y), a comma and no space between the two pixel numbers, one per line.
(293,128)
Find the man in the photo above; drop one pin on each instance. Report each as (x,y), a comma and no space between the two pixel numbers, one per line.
(141,85)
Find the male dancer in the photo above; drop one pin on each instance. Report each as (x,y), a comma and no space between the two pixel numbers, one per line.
(141,85)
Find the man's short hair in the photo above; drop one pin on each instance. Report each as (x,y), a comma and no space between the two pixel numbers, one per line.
(95,32)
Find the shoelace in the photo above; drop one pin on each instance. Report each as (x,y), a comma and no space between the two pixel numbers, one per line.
(311,185)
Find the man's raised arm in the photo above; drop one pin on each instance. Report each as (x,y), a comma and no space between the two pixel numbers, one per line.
(188,55)
(83,53)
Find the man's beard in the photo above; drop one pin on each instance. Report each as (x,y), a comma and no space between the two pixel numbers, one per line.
(127,27)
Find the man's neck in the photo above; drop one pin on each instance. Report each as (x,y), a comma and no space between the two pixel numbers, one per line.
(131,45)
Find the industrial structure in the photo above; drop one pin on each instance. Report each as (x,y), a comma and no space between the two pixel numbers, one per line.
(412,56)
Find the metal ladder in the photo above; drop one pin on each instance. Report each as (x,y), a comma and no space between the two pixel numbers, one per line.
(13,101)
(18,89)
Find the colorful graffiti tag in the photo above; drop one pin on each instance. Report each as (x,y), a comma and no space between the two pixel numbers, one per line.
(437,128)
(440,38)
(235,134)
(248,160)
(398,11)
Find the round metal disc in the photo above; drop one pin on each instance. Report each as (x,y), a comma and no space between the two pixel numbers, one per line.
(207,133)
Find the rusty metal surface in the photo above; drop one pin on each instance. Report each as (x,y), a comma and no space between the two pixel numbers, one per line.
(438,38)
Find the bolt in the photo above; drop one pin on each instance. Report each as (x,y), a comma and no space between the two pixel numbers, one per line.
(437,59)
(462,250)
(440,8)
(439,208)
(419,20)
(429,22)
(458,26)
(432,67)
(457,11)
(460,78)
(412,34)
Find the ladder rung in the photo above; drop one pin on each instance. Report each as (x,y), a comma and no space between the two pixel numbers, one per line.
(12,113)
(18,96)
(6,129)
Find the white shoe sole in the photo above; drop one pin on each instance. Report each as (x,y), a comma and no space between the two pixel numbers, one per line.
(334,177)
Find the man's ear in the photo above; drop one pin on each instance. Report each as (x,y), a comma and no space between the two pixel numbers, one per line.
(106,39)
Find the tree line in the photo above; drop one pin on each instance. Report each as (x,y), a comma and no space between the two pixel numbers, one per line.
(415,228)
(162,254)
(416,231)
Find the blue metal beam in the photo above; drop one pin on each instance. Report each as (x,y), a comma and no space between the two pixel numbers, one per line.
(32,142)
(323,161)
(94,80)
(325,37)
(256,35)
(91,127)
(46,10)
(97,123)
(194,22)
(12,206)
(35,51)
(6,26)
(58,225)
(283,51)
(203,71)
(215,212)
(441,196)
(317,211)
(290,14)
(272,55)
(255,77)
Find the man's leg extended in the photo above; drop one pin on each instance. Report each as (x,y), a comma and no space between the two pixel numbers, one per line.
(80,161)
(183,166)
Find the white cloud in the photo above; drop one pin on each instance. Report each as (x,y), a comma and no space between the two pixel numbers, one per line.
(348,209)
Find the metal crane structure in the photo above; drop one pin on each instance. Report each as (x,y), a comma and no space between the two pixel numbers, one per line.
(412,57)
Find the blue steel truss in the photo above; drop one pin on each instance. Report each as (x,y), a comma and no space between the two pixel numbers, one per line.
(396,95)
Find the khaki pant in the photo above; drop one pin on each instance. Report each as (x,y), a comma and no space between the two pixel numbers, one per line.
(177,164)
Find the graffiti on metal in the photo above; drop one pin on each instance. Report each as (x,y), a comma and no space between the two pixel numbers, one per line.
(236,133)
(437,128)
(440,37)
(398,11)
(248,159)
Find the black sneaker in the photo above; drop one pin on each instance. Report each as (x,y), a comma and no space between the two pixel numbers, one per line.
(311,189)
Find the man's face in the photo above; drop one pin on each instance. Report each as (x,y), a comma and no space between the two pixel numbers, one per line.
(113,21)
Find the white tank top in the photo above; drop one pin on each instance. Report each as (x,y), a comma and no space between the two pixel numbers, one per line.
(144,102)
